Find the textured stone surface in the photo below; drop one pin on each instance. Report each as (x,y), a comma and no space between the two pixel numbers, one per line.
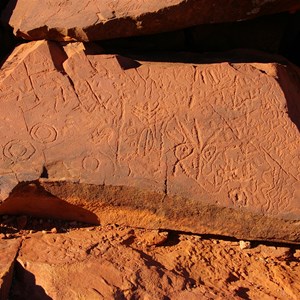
(8,253)
(111,271)
(118,263)
(211,148)
(94,20)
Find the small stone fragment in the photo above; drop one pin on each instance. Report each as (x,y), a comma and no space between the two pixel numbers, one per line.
(54,230)
(280,253)
(154,238)
(297,254)
(245,245)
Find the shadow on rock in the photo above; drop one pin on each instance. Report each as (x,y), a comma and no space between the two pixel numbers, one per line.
(25,287)
(32,199)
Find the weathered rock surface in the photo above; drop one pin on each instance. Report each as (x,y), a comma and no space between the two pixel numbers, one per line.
(97,20)
(208,148)
(117,263)
(8,253)
(111,271)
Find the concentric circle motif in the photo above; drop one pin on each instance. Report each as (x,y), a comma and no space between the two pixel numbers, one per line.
(90,163)
(17,150)
(43,133)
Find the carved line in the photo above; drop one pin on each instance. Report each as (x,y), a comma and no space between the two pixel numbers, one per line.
(90,163)
(17,150)
(43,133)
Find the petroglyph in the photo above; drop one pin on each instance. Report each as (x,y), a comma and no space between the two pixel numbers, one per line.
(90,163)
(43,133)
(211,133)
(18,150)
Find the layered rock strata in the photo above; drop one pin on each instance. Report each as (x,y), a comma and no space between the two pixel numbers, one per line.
(207,148)
(99,20)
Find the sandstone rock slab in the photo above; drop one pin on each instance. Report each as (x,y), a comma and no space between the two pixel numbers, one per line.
(92,266)
(115,262)
(8,253)
(207,148)
(96,20)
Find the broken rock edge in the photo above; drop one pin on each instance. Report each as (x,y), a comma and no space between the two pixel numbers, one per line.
(226,213)
(128,206)
(112,28)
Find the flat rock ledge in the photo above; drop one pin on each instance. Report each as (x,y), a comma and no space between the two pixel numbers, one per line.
(205,148)
(85,20)
(118,262)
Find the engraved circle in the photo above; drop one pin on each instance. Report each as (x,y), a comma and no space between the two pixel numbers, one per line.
(90,163)
(131,131)
(17,150)
(43,133)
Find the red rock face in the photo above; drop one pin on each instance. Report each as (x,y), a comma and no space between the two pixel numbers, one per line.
(94,20)
(8,253)
(205,148)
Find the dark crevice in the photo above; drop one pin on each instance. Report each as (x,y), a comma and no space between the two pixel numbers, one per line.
(8,40)
(263,37)
(174,239)
(90,249)
(287,82)
(58,55)
(44,173)
(277,34)
(59,64)
(242,293)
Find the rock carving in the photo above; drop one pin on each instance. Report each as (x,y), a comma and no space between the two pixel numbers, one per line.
(215,134)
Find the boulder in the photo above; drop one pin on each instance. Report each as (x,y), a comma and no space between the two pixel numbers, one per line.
(87,20)
(205,148)
(110,262)
(92,265)
(8,252)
